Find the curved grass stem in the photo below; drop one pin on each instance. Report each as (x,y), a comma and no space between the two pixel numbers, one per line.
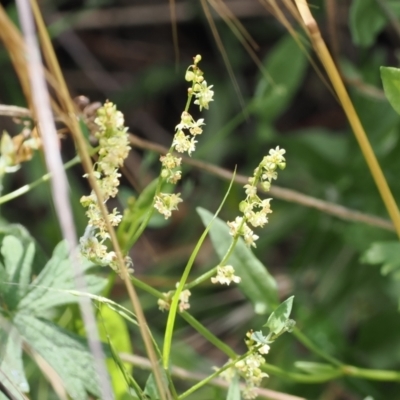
(348,107)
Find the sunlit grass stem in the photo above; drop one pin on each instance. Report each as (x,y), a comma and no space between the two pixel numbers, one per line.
(348,107)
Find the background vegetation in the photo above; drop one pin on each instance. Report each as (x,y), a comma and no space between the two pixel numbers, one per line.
(123,51)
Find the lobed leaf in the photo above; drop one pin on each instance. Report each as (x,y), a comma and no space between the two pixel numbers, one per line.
(49,288)
(24,303)
(66,353)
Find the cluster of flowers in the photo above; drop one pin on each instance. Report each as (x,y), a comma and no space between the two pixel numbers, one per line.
(113,149)
(225,275)
(164,304)
(165,203)
(249,368)
(254,209)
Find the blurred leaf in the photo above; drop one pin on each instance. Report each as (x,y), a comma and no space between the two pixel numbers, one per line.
(391,85)
(272,99)
(151,387)
(257,284)
(386,253)
(367,19)
(234,389)
(328,147)
(376,115)
(278,320)
(113,329)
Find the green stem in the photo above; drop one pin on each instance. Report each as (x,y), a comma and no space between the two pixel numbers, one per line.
(147,218)
(200,384)
(167,372)
(138,390)
(174,305)
(208,335)
(140,284)
(231,247)
(311,346)
(26,188)
(302,378)
(371,374)
(342,370)
(202,278)
(189,100)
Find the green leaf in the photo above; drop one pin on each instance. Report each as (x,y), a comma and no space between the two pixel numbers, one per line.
(391,85)
(23,306)
(257,283)
(22,234)
(67,354)
(112,328)
(367,20)
(49,288)
(278,321)
(272,99)
(234,389)
(18,263)
(259,337)
(11,359)
(150,389)
(386,253)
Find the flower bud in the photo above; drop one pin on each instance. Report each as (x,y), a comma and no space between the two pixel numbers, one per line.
(197,59)
(189,76)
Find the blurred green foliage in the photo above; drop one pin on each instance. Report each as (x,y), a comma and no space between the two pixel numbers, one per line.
(345,306)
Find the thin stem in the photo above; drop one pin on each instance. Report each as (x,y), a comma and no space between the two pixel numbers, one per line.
(185,375)
(371,374)
(149,289)
(73,124)
(200,328)
(317,350)
(342,370)
(149,214)
(302,378)
(26,188)
(289,195)
(200,384)
(202,278)
(174,305)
